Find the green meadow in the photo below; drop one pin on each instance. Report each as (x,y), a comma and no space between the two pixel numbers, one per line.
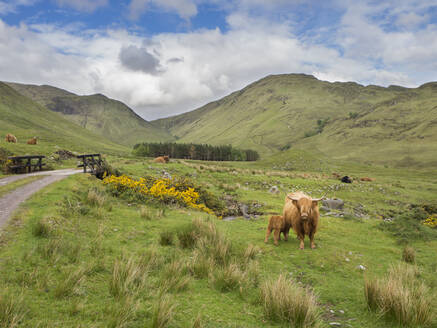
(76,255)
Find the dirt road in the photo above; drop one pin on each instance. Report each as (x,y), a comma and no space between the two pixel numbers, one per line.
(10,202)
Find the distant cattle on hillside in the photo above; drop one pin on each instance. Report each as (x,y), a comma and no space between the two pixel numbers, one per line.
(162,159)
(32,141)
(11,138)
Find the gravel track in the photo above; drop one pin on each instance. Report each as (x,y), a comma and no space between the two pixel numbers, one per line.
(10,202)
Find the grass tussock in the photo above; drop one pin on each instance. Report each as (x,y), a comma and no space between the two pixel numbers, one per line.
(12,310)
(251,252)
(284,301)
(401,297)
(123,313)
(95,198)
(145,213)
(228,278)
(200,265)
(409,254)
(70,285)
(151,260)
(163,312)
(128,277)
(166,238)
(42,228)
(175,277)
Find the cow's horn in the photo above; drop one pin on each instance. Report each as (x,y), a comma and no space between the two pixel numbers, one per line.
(293,198)
(318,199)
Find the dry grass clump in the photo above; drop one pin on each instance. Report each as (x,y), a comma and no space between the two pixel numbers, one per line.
(228,278)
(145,213)
(409,254)
(123,313)
(151,260)
(401,297)
(174,276)
(200,265)
(12,310)
(251,252)
(71,284)
(163,312)
(128,277)
(95,198)
(283,300)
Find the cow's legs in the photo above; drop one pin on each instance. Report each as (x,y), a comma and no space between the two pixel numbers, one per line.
(301,238)
(277,236)
(312,240)
(268,232)
(286,231)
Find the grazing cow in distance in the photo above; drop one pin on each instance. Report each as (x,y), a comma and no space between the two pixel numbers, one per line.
(32,141)
(11,138)
(303,213)
(346,179)
(278,224)
(367,179)
(162,159)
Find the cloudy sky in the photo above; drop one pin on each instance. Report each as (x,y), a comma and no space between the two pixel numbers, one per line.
(163,57)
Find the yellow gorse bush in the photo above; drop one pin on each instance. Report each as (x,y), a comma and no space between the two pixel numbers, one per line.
(160,189)
(431,221)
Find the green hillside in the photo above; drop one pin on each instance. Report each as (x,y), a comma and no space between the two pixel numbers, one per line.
(24,118)
(97,113)
(394,125)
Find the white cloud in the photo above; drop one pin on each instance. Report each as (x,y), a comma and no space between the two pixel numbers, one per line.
(170,73)
(11,6)
(83,5)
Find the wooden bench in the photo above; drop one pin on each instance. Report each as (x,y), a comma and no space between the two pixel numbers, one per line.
(24,163)
(92,161)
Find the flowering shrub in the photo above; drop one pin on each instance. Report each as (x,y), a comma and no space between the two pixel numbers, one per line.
(165,190)
(431,221)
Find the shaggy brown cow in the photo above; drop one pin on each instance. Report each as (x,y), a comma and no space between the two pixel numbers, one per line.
(303,213)
(277,223)
(11,138)
(162,159)
(32,141)
(367,179)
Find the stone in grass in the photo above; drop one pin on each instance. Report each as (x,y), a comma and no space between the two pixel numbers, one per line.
(361,267)
(335,324)
(274,190)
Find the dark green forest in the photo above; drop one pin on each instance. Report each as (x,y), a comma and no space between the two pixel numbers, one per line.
(202,152)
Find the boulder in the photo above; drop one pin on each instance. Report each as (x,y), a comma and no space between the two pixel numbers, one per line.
(332,204)
(274,190)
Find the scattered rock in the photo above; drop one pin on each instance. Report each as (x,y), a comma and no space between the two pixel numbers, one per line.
(347,259)
(166,175)
(341,311)
(361,267)
(332,311)
(274,190)
(229,218)
(333,204)
(64,154)
(244,210)
(335,324)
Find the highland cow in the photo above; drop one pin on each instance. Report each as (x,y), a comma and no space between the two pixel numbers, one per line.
(162,159)
(302,212)
(11,138)
(278,224)
(367,179)
(32,141)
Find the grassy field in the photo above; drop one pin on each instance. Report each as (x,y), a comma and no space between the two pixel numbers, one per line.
(77,256)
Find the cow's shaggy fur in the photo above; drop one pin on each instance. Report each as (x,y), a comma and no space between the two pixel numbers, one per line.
(278,224)
(32,141)
(162,159)
(303,213)
(11,138)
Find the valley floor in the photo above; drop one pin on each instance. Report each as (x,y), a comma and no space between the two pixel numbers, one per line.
(62,251)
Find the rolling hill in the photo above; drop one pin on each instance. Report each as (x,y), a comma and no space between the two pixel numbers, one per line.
(97,113)
(393,125)
(25,118)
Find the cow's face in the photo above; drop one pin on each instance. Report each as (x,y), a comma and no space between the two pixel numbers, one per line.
(305,207)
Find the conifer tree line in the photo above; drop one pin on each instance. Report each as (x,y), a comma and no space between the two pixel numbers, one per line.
(202,152)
